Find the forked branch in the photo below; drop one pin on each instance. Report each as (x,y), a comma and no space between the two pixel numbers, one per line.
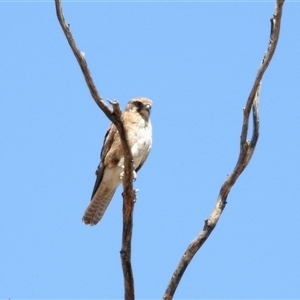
(246,151)
(114,116)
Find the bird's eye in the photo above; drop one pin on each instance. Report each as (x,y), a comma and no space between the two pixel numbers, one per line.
(138,104)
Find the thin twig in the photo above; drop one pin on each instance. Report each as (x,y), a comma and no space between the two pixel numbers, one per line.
(246,151)
(115,116)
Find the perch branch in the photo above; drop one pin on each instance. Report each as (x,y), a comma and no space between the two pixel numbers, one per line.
(246,151)
(115,116)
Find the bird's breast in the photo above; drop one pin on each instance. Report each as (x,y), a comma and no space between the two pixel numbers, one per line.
(142,145)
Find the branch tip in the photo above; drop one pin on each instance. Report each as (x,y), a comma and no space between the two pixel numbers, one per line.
(113,102)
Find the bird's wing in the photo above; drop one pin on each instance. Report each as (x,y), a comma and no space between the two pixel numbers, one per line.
(108,141)
(107,180)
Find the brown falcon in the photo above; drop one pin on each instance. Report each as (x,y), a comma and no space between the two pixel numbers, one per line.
(110,171)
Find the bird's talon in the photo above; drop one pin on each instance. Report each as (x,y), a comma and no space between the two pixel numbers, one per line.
(134,176)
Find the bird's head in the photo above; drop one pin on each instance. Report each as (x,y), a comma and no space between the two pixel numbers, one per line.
(141,105)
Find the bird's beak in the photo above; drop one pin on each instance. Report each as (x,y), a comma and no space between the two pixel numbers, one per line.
(148,108)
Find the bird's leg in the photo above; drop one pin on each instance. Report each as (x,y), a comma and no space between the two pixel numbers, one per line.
(134,179)
(122,175)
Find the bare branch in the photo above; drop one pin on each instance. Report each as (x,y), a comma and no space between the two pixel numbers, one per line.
(246,151)
(115,116)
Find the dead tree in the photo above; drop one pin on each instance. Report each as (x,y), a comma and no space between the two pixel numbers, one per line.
(247,148)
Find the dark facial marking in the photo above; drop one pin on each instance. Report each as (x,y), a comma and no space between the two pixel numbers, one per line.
(139,105)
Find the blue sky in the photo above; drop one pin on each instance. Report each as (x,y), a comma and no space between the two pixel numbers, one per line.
(197,62)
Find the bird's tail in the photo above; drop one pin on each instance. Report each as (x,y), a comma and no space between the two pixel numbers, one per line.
(98,205)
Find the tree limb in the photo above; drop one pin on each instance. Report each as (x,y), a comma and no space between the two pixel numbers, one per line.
(115,116)
(246,151)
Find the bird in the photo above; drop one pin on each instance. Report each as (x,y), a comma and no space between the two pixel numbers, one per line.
(109,174)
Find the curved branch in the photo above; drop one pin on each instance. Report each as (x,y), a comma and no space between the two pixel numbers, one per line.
(115,116)
(246,151)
